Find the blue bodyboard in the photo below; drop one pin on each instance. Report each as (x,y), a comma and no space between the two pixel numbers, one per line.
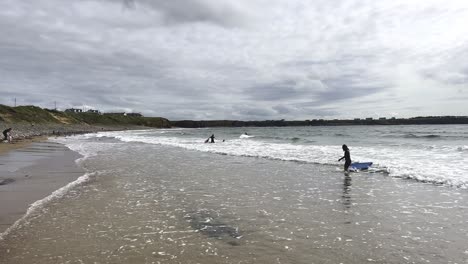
(360,165)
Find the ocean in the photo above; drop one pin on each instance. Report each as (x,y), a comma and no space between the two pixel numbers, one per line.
(432,153)
(276,195)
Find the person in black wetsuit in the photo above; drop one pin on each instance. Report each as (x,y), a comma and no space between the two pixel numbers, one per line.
(5,133)
(347,157)
(210,139)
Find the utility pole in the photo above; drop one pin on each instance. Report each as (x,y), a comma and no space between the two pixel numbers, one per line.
(15,101)
(55,105)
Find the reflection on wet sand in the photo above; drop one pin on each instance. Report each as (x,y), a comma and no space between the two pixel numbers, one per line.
(346,191)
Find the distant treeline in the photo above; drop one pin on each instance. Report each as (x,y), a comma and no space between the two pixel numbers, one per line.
(321,122)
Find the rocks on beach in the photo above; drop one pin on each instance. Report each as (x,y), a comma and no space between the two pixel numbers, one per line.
(22,131)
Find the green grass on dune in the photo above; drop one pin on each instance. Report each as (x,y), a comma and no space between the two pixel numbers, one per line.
(37,115)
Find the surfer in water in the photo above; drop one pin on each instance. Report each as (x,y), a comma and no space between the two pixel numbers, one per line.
(210,139)
(346,156)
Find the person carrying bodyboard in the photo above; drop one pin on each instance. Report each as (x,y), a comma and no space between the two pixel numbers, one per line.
(346,156)
(210,139)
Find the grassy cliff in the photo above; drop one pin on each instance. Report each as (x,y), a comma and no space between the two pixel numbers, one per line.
(36,115)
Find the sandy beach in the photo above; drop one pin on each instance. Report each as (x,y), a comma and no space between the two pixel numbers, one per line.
(193,207)
(6,147)
(234,132)
(31,168)
(30,171)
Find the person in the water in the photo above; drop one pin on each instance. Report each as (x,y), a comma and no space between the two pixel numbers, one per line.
(210,139)
(346,156)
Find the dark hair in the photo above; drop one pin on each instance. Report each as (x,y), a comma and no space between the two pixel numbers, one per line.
(345,147)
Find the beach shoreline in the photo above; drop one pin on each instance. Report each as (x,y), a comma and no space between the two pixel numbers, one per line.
(21,143)
(24,134)
(32,167)
(31,173)
(199,207)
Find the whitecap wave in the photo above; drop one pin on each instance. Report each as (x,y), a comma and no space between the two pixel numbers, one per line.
(437,164)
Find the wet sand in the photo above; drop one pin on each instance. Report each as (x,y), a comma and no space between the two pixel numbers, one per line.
(191,207)
(30,170)
(17,144)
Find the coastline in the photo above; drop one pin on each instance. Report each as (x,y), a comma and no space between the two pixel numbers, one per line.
(31,173)
(25,134)
(22,143)
(32,168)
(24,130)
(238,209)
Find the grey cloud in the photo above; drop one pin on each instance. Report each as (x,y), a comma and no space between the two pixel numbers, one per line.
(454,78)
(190,11)
(287,89)
(458,98)
(305,110)
(342,60)
(246,59)
(283,109)
(348,87)
(321,112)
(255,112)
(452,71)
(273,92)
(300,111)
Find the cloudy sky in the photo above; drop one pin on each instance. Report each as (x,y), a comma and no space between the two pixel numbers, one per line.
(238,59)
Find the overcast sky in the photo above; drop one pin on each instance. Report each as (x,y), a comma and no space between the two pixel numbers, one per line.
(238,59)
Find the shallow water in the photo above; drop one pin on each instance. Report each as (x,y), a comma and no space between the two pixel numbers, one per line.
(30,174)
(430,153)
(146,203)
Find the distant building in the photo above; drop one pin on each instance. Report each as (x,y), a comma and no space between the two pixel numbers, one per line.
(383,118)
(93,111)
(73,110)
(357,119)
(369,119)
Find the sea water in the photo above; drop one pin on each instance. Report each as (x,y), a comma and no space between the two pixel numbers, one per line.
(277,196)
(432,153)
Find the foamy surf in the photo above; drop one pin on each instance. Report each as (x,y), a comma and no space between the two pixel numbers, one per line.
(153,202)
(39,205)
(428,159)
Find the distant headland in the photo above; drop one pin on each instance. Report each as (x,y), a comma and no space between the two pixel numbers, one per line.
(34,115)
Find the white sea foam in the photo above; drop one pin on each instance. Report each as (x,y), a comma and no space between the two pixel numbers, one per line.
(463,148)
(75,143)
(38,205)
(80,144)
(436,163)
